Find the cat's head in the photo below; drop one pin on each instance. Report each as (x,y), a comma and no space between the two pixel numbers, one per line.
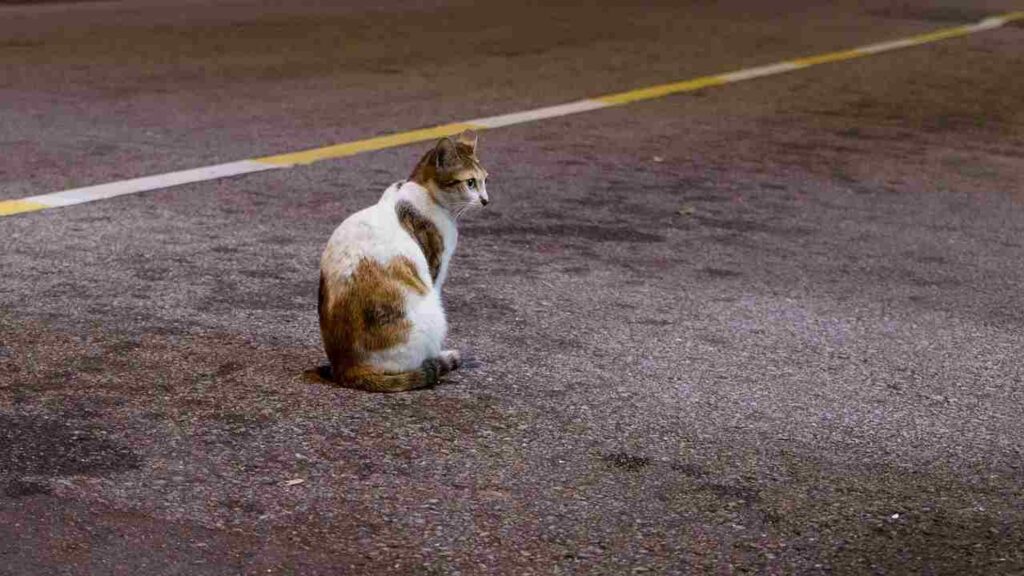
(452,173)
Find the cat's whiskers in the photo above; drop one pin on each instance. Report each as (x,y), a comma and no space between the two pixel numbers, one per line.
(463,207)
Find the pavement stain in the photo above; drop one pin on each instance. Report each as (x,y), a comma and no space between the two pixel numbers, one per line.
(158,369)
(877,518)
(42,445)
(231,394)
(941,518)
(626,461)
(22,487)
(720,273)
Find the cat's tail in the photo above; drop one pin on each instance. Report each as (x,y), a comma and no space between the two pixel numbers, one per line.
(372,380)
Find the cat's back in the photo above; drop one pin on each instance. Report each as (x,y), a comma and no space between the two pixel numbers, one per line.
(372,233)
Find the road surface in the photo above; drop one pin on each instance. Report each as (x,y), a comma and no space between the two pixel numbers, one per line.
(772,327)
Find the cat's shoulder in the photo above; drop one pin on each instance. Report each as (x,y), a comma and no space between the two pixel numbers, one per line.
(373,216)
(373,232)
(391,192)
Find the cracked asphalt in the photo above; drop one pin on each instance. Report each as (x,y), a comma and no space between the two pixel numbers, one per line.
(773,327)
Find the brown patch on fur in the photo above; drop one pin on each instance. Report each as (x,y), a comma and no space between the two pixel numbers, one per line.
(403,269)
(366,311)
(370,380)
(425,233)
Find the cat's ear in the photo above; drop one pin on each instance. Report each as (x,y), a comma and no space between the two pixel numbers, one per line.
(468,138)
(446,154)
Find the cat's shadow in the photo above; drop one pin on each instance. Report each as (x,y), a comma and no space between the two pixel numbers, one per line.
(323,375)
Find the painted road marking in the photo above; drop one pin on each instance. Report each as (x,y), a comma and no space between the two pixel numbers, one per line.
(135,185)
(760,72)
(538,114)
(120,188)
(8,207)
(360,146)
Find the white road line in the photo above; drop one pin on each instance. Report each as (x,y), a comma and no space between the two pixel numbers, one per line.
(887,46)
(990,23)
(538,114)
(135,185)
(760,71)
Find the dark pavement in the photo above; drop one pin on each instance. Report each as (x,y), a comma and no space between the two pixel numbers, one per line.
(773,327)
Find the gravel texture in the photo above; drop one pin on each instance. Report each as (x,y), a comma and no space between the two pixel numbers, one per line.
(773,327)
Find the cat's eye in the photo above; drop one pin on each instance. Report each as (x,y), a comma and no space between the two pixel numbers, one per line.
(471,182)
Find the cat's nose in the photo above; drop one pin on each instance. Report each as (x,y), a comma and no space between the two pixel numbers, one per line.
(484,200)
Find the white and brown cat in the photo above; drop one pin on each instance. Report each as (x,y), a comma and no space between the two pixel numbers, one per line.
(381,316)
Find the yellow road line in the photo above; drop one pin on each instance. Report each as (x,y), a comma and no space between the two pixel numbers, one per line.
(9,207)
(206,173)
(370,144)
(942,35)
(661,90)
(827,58)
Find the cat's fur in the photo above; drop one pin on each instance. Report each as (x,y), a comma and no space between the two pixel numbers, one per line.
(381,317)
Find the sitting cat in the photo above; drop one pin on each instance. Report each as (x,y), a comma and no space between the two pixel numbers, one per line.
(381,317)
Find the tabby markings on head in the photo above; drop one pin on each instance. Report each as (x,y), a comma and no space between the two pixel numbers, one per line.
(425,233)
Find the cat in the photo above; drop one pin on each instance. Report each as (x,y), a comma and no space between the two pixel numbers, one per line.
(381,318)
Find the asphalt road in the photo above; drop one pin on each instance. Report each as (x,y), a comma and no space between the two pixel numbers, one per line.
(772,327)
